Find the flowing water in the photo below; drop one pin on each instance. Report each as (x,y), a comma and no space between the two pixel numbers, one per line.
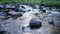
(16,26)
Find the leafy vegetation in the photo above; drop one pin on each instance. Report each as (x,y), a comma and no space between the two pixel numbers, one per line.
(45,2)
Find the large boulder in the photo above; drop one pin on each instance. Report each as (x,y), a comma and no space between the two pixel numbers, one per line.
(35,23)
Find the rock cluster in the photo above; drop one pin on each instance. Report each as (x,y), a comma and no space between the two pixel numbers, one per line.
(18,18)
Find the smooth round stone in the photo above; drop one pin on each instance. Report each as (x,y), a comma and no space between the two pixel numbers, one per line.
(35,23)
(3,14)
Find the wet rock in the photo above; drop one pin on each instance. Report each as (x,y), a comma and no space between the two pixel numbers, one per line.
(35,23)
(21,10)
(47,8)
(14,26)
(4,32)
(52,22)
(9,6)
(54,9)
(1,6)
(15,14)
(6,5)
(24,8)
(43,11)
(23,28)
(2,15)
(13,7)
(36,14)
(5,10)
(53,18)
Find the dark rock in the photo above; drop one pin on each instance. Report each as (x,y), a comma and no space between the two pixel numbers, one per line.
(13,7)
(4,32)
(23,6)
(5,10)
(21,10)
(2,14)
(6,18)
(35,23)
(6,5)
(59,10)
(15,14)
(23,28)
(29,10)
(36,14)
(43,11)
(9,6)
(51,22)
(14,18)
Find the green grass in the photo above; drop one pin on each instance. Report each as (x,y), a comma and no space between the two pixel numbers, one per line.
(9,1)
(45,2)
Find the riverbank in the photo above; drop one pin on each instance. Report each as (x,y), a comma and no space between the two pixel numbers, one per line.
(44,2)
